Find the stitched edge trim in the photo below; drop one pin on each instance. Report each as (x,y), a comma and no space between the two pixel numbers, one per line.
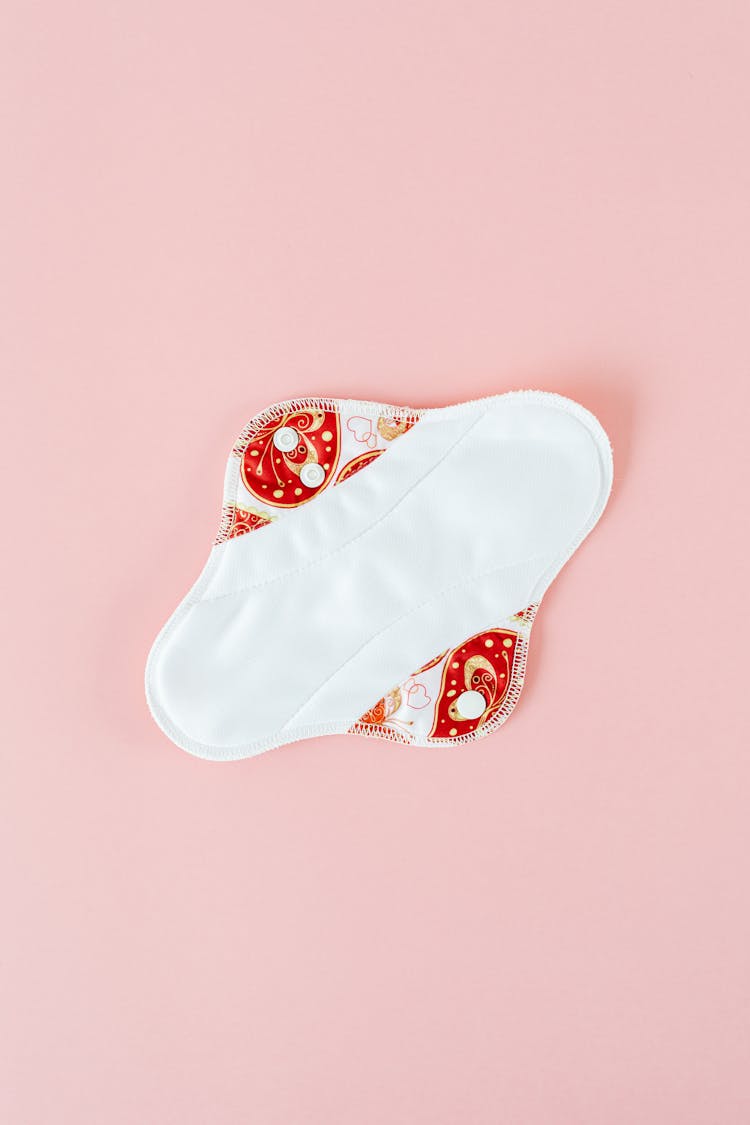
(503,713)
(321,559)
(234,753)
(225,523)
(330,405)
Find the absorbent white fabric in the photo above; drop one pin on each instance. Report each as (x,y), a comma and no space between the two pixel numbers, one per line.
(298,629)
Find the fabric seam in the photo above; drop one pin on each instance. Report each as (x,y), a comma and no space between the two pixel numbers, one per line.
(287,574)
(583,416)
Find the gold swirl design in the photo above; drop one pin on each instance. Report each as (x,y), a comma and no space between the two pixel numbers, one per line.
(383,709)
(390,428)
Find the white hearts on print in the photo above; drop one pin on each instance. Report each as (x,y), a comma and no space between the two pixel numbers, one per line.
(362,430)
(416,695)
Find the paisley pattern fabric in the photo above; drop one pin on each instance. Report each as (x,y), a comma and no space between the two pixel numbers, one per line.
(381,715)
(358,463)
(238,521)
(309,628)
(274,474)
(459,695)
(480,667)
(390,428)
(289,457)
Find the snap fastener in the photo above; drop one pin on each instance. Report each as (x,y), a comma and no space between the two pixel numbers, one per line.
(471,704)
(285,439)
(312,474)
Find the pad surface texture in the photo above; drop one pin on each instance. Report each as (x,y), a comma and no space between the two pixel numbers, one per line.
(377,570)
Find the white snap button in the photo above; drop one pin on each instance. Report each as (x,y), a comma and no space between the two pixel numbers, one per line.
(470,704)
(312,474)
(285,439)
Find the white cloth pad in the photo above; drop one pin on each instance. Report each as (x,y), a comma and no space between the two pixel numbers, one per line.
(395,564)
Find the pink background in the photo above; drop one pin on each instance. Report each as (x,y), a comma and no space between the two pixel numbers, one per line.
(208,207)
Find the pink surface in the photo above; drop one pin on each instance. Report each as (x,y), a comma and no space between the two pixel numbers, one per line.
(210,207)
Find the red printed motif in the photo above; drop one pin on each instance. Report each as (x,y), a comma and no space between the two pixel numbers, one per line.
(246,519)
(390,428)
(461,692)
(298,453)
(275,463)
(381,715)
(475,681)
(358,463)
